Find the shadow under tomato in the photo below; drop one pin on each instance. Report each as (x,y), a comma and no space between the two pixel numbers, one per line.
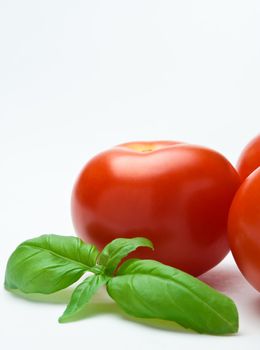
(225,279)
(254,306)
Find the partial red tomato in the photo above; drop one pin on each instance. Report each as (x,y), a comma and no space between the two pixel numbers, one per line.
(250,158)
(175,194)
(244,228)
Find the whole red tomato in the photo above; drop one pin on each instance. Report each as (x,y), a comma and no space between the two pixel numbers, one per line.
(175,194)
(244,228)
(250,158)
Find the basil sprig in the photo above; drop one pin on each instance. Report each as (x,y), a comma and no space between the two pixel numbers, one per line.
(142,288)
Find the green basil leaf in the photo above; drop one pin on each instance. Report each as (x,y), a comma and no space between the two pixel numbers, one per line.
(82,294)
(119,248)
(149,289)
(49,263)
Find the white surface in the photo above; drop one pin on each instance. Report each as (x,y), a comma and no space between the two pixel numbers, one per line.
(77,77)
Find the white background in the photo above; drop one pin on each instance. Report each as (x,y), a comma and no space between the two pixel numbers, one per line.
(77,77)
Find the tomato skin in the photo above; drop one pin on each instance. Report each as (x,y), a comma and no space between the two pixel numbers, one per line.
(244,228)
(177,195)
(250,158)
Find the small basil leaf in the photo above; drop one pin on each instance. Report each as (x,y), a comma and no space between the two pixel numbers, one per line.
(82,294)
(49,263)
(149,289)
(119,248)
